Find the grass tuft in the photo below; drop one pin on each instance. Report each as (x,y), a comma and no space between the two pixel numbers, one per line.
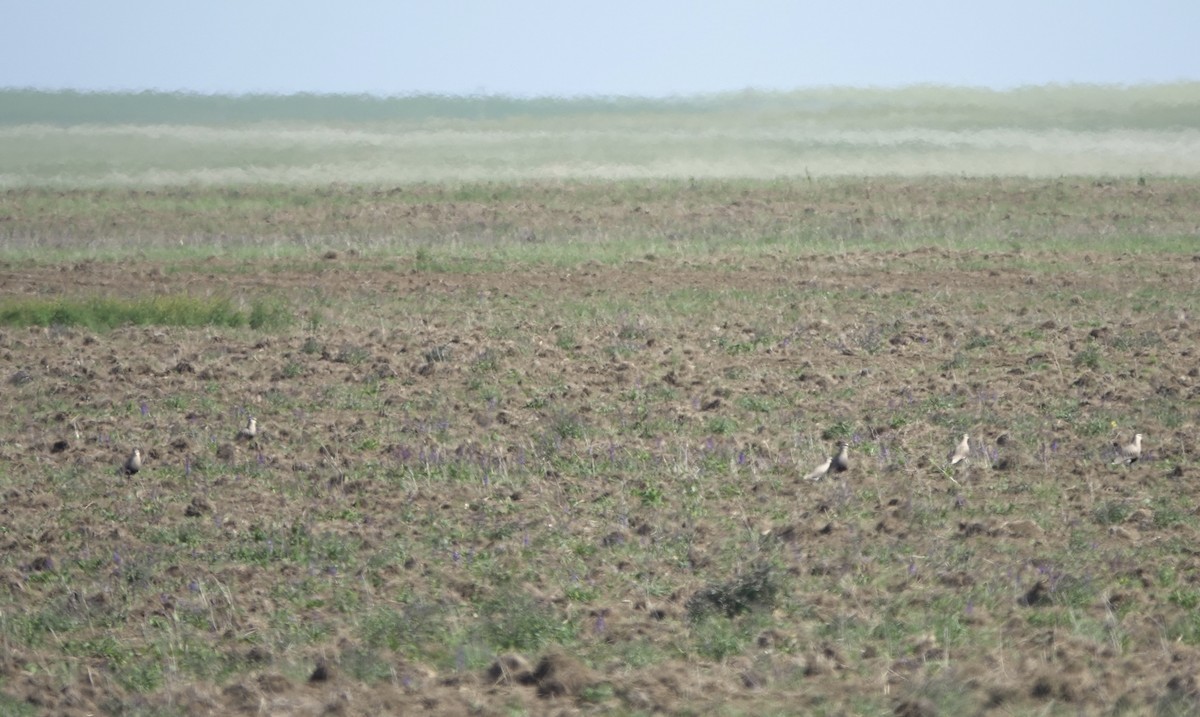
(102,314)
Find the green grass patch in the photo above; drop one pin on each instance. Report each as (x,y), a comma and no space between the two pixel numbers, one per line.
(102,313)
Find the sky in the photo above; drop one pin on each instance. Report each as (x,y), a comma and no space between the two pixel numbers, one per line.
(566,48)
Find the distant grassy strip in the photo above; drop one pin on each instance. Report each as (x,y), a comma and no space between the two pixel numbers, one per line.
(1071,107)
(152,140)
(106,313)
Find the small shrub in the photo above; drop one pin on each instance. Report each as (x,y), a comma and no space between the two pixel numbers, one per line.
(871,340)
(757,404)
(407,630)
(632,332)
(365,665)
(565,340)
(650,494)
(716,638)
(1111,512)
(487,361)
(1166,516)
(597,694)
(1094,427)
(722,425)
(16,707)
(979,342)
(520,623)
(566,424)
(141,674)
(755,589)
(1087,358)
(956,362)
(439,353)
(1186,598)
(270,314)
(351,354)
(842,430)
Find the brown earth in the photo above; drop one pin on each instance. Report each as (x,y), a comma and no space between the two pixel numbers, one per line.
(1038,579)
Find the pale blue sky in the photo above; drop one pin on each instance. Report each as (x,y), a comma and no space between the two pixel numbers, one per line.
(614,47)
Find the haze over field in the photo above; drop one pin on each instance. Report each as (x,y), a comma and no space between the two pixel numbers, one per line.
(531,90)
(68,139)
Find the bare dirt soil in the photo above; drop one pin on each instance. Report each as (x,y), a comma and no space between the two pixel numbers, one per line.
(500,492)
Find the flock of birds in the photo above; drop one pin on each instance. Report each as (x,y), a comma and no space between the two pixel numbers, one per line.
(133,463)
(840,461)
(837,463)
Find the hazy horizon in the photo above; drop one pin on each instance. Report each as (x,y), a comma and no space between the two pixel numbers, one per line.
(159,139)
(924,104)
(624,48)
(571,97)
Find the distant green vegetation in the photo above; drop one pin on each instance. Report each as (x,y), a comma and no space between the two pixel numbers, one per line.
(107,313)
(1064,107)
(72,139)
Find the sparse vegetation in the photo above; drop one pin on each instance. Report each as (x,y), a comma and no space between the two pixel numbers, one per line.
(534,447)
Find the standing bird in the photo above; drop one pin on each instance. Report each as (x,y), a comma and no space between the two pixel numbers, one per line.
(837,463)
(961,451)
(250,431)
(1130,452)
(133,463)
(840,462)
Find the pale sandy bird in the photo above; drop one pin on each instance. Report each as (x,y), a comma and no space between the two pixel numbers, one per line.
(251,429)
(837,463)
(1130,452)
(133,463)
(819,472)
(961,451)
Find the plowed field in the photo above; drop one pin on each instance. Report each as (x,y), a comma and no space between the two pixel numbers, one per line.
(491,485)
